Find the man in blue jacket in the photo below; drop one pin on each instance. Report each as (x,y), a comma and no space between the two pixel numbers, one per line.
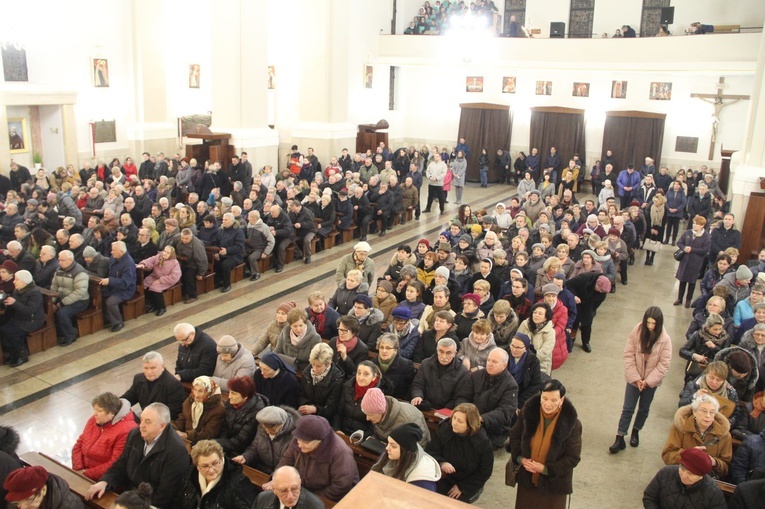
(231,254)
(628,183)
(119,286)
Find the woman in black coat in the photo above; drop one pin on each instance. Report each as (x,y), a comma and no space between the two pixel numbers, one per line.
(397,370)
(696,243)
(321,385)
(327,215)
(546,481)
(232,489)
(350,416)
(24,313)
(349,348)
(463,449)
(243,405)
(590,290)
(524,366)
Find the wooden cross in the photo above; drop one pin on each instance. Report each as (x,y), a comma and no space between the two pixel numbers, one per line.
(717,100)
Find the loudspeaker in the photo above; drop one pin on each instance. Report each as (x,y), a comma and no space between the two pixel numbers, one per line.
(667,15)
(557,30)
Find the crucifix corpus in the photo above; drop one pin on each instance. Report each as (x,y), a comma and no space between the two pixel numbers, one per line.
(718,101)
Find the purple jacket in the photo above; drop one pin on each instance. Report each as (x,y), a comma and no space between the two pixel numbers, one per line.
(168,274)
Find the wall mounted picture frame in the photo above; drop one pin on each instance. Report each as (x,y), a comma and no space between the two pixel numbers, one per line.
(508,85)
(14,62)
(581,89)
(687,144)
(544,88)
(194,73)
(369,76)
(100,72)
(660,91)
(618,90)
(18,135)
(474,84)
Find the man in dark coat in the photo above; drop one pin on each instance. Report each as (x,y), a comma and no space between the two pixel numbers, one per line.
(156,385)
(24,313)
(750,494)
(442,381)
(495,393)
(591,288)
(305,228)
(197,353)
(22,258)
(553,161)
(723,237)
(19,175)
(119,286)
(287,492)
(153,453)
(231,254)
(192,256)
(383,208)
(284,234)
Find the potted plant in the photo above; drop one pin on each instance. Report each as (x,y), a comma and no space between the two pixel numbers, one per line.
(37,159)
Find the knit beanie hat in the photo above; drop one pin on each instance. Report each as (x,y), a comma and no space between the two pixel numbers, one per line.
(407,436)
(385,285)
(374,402)
(286,307)
(446,233)
(271,415)
(443,272)
(24,276)
(466,238)
(589,252)
(696,461)
(424,241)
(476,228)
(602,284)
(171,222)
(538,245)
(227,344)
(443,246)
(363,246)
(244,385)
(312,427)
(402,313)
(550,288)
(364,299)
(472,296)
(614,231)
(10,266)
(743,273)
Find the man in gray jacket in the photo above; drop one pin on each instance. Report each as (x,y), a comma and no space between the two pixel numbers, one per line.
(191,253)
(259,242)
(435,174)
(71,283)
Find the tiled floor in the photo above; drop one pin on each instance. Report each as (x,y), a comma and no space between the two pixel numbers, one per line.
(48,399)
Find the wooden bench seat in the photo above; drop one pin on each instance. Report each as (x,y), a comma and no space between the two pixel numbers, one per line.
(45,337)
(92,319)
(237,273)
(173,295)
(727,29)
(78,483)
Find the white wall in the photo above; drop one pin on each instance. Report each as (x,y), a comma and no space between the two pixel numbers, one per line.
(52,134)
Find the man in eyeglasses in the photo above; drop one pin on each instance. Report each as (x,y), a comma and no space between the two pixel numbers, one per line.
(197,353)
(287,492)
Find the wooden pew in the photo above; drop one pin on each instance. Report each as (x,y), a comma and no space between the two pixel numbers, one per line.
(135,306)
(45,337)
(78,483)
(726,487)
(259,478)
(364,459)
(727,29)
(92,319)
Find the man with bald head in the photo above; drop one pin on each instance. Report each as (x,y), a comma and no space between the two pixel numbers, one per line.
(287,492)
(495,393)
(119,286)
(282,229)
(70,282)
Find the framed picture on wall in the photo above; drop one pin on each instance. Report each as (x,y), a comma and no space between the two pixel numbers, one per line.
(271,77)
(18,135)
(193,75)
(100,68)
(508,85)
(618,90)
(369,75)
(660,91)
(581,89)
(544,88)
(474,84)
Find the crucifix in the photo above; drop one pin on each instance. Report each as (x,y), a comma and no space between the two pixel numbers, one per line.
(717,100)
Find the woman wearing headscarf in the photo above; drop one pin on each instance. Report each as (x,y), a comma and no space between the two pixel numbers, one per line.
(714,381)
(546,446)
(242,406)
(404,459)
(165,272)
(271,440)
(703,345)
(647,356)
(276,381)
(657,222)
(321,384)
(214,481)
(203,412)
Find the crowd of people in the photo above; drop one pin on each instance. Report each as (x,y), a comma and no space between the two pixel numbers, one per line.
(441,16)
(469,325)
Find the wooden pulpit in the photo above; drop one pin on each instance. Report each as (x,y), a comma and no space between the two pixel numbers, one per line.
(214,147)
(368,136)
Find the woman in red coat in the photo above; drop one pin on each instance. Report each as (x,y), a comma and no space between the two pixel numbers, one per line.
(104,436)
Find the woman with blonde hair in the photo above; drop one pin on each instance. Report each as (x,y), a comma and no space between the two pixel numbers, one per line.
(656,223)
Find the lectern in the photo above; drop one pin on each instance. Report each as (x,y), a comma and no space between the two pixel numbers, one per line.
(368,136)
(214,146)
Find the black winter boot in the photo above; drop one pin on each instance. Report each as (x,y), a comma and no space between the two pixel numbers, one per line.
(619,445)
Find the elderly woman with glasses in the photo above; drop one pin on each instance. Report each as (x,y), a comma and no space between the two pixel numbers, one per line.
(213,481)
(701,425)
(397,370)
(203,412)
(321,385)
